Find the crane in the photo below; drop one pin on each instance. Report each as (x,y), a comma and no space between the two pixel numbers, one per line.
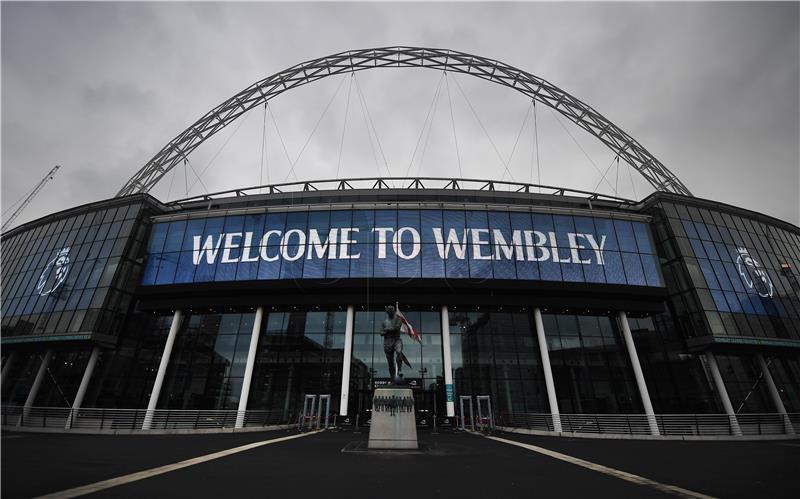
(30,196)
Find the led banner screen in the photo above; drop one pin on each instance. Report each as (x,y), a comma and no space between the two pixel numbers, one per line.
(453,244)
(737,276)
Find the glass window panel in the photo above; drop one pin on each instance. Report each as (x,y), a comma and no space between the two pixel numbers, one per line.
(360,251)
(340,219)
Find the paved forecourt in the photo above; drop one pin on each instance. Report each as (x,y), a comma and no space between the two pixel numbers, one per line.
(460,465)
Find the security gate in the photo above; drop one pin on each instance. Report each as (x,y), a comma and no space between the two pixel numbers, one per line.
(462,416)
(311,418)
(485,415)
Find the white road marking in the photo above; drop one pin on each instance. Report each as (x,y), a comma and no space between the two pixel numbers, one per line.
(630,477)
(141,475)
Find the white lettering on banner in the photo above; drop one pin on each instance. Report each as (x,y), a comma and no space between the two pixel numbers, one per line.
(382,239)
(248,246)
(459,247)
(574,246)
(315,245)
(344,249)
(406,243)
(554,249)
(541,241)
(229,245)
(507,249)
(598,248)
(208,248)
(265,245)
(477,242)
(398,239)
(286,244)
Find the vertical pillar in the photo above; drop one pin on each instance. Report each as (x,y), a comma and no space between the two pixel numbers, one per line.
(723,393)
(248,370)
(544,352)
(162,370)
(348,353)
(637,372)
(773,392)
(84,386)
(12,357)
(37,383)
(448,364)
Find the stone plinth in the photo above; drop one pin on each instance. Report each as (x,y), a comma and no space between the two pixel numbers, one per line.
(393,425)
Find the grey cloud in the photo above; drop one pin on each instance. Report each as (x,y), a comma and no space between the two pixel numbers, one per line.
(709,88)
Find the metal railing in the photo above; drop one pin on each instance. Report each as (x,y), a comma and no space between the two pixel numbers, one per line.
(406,183)
(132,419)
(668,424)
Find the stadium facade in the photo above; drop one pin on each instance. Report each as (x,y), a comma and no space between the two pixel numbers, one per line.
(545,300)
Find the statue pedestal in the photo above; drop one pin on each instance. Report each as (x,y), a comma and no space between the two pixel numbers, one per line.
(393,424)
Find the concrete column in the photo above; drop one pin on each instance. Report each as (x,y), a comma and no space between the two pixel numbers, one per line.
(637,372)
(549,384)
(773,392)
(723,393)
(37,383)
(449,390)
(87,377)
(348,353)
(162,370)
(12,357)
(248,370)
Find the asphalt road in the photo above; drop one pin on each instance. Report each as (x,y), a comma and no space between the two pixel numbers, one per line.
(456,465)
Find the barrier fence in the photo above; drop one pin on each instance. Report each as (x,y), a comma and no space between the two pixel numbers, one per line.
(608,424)
(668,424)
(133,419)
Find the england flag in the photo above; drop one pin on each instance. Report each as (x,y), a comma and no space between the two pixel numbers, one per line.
(407,328)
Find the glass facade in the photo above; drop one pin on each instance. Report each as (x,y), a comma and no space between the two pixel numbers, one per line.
(710,279)
(75,274)
(299,352)
(453,244)
(730,275)
(496,353)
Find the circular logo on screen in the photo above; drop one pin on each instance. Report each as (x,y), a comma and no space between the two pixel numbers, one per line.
(54,273)
(753,273)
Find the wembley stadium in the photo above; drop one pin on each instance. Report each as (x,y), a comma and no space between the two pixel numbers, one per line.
(539,307)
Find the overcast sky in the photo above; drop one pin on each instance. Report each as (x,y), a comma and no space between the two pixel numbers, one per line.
(710,89)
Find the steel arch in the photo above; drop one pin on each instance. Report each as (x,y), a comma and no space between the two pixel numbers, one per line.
(583,115)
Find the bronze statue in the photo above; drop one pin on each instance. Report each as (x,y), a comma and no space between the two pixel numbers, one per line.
(393,345)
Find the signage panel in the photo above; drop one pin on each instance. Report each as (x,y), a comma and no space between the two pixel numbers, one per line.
(453,244)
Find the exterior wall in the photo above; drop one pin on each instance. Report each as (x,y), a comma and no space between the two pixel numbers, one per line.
(730,279)
(74,275)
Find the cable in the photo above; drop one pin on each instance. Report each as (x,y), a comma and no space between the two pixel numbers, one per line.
(324,112)
(474,113)
(213,158)
(633,186)
(344,125)
(369,132)
(374,130)
(521,128)
(605,172)
(196,175)
(430,129)
(263,148)
(172,179)
(582,150)
(536,141)
(453,122)
(283,144)
(424,123)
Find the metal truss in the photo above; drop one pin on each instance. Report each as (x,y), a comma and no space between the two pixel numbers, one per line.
(538,89)
(406,183)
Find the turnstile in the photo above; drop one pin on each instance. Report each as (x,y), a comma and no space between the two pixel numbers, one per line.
(485,420)
(311,417)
